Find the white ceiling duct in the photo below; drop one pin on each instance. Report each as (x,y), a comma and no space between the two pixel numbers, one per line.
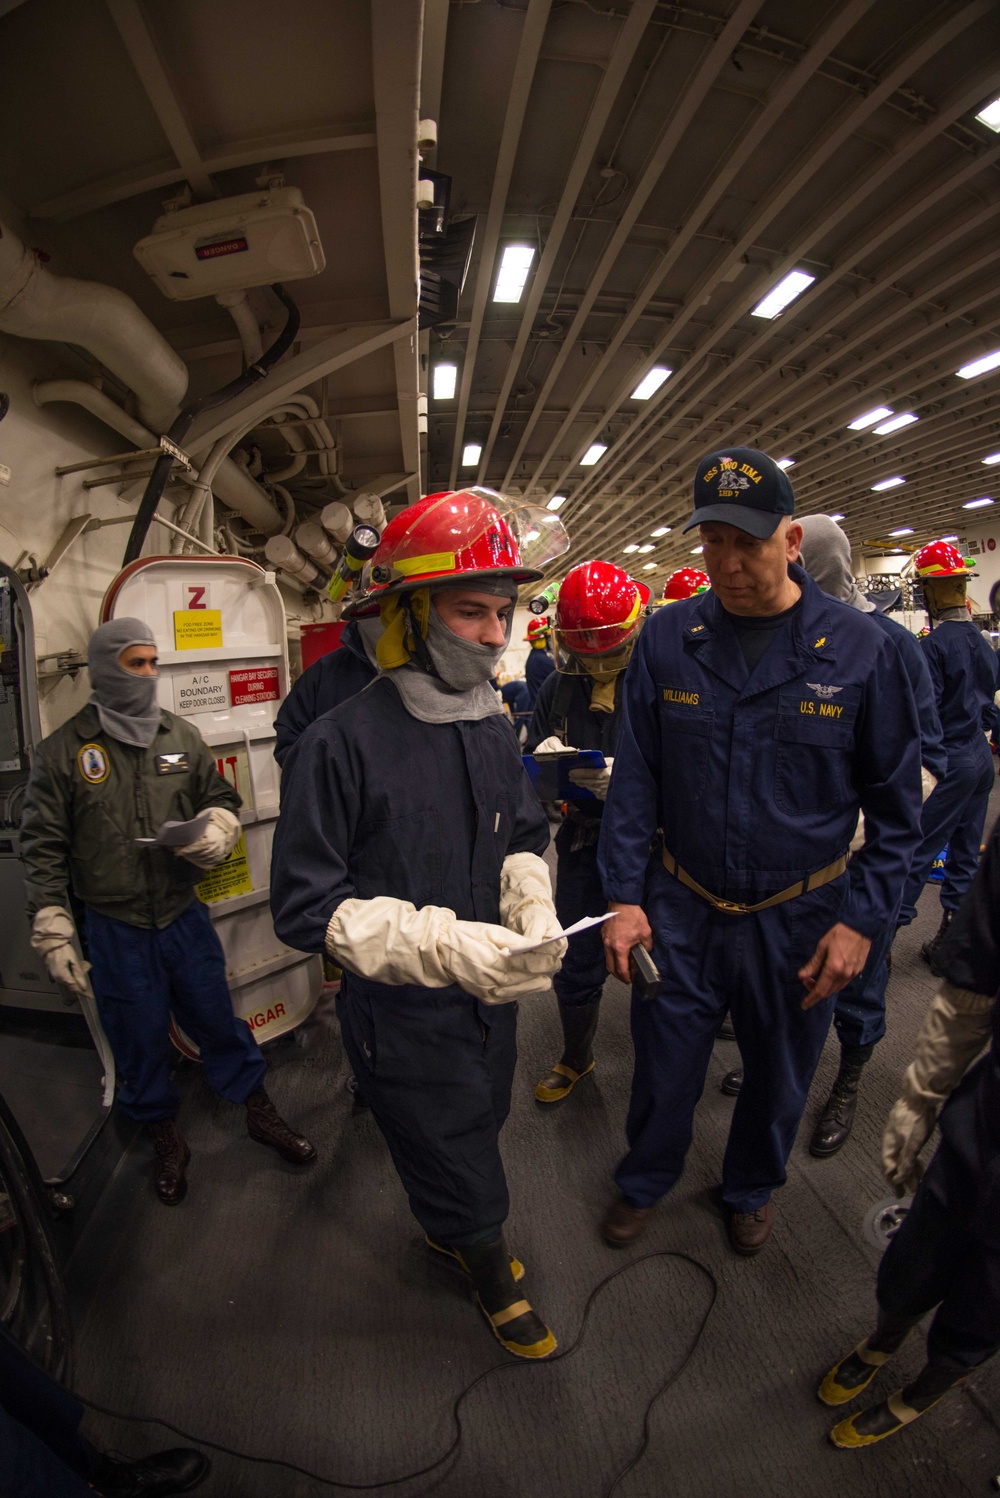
(34,303)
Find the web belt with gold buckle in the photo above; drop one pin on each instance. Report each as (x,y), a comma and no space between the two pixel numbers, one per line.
(736,907)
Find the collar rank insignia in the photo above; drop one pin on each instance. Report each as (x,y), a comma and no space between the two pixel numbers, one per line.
(696,629)
(820,642)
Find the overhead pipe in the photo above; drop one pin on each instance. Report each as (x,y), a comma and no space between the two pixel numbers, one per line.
(34,303)
(237,304)
(231,483)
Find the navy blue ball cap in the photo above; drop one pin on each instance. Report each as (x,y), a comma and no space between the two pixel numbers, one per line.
(743,487)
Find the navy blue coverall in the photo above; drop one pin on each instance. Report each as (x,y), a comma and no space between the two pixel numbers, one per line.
(947,1251)
(537,668)
(42,1454)
(964,673)
(756,781)
(579,891)
(328,682)
(375,802)
(859,1015)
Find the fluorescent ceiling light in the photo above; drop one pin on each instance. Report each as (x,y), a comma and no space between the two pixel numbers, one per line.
(992,458)
(648,547)
(784,463)
(593,453)
(648,566)
(556,502)
(838,517)
(977,504)
(445,379)
(696,551)
(787,289)
(869,418)
(979,366)
(651,382)
(629,549)
(895,424)
(989,115)
(949,538)
(514,267)
(471,453)
(887,484)
(664,530)
(904,530)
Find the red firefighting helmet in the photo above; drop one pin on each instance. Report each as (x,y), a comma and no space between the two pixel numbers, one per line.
(446,536)
(940,559)
(599,609)
(685,583)
(538,629)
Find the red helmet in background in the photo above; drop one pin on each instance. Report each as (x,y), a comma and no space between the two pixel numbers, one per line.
(538,629)
(940,559)
(685,583)
(599,609)
(443,537)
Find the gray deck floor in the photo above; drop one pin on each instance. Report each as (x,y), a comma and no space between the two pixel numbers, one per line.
(298,1315)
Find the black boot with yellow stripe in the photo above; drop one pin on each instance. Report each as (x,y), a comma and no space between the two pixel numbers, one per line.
(579,1026)
(515,1325)
(852,1375)
(456,1254)
(900,1409)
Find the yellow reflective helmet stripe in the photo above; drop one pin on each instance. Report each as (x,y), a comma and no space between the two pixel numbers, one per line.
(437,561)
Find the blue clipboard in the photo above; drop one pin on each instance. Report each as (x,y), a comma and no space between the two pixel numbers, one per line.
(549,774)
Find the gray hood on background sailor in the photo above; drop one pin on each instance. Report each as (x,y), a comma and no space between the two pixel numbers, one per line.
(826,556)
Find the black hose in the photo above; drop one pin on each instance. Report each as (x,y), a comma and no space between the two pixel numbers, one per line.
(157,481)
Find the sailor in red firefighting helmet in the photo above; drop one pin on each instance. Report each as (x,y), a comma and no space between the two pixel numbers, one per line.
(964,671)
(685,583)
(540,663)
(598,617)
(409,848)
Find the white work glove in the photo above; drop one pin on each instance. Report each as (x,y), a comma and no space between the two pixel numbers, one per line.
(928,780)
(595,780)
(53,935)
(526,900)
(553,745)
(221,834)
(957,1027)
(390,941)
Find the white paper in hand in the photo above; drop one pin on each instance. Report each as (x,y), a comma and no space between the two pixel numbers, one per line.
(179,834)
(581,925)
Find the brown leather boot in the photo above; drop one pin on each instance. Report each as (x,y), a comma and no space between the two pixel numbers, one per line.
(624,1224)
(171,1158)
(266,1125)
(749,1231)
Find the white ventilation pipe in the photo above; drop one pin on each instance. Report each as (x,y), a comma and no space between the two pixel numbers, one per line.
(286,555)
(34,303)
(338,520)
(237,304)
(314,539)
(227,479)
(370,509)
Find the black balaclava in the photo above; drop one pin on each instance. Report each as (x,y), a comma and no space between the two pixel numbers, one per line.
(126,703)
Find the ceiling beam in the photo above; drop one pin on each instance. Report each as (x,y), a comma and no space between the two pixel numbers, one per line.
(153,175)
(153,76)
(535,21)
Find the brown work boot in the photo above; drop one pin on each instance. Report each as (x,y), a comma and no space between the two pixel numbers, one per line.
(624,1224)
(749,1231)
(266,1125)
(171,1158)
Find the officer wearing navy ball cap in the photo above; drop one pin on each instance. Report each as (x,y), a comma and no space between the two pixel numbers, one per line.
(760,718)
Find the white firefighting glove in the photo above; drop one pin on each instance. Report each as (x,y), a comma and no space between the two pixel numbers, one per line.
(53,934)
(390,941)
(553,745)
(595,780)
(957,1027)
(526,899)
(221,834)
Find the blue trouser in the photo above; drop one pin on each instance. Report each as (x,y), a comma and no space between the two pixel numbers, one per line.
(140,976)
(578,893)
(42,1454)
(947,1254)
(437,1072)
(954,813)
(710,961)
(859,1011)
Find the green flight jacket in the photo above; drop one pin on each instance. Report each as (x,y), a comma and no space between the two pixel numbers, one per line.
(89,797)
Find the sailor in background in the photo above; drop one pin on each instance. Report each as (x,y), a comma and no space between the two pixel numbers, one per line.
(409,848)
(965,674)
(599,613)
(336,676)
(859,1015)
(758,719)
(946,1253)
(540,663)
(110,777)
